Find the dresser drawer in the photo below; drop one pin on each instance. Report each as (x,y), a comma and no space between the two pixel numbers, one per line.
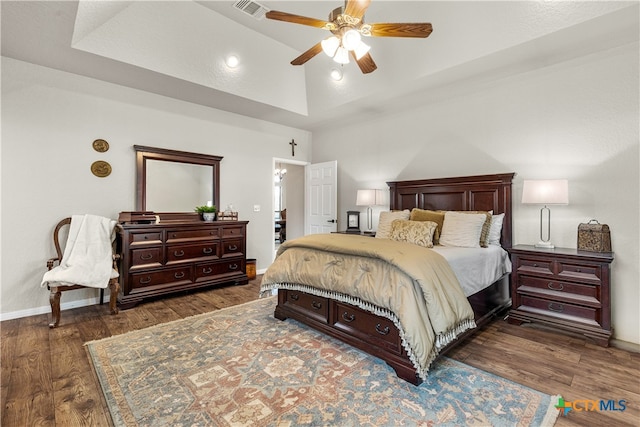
(167,277)
(581,272)
(534,266)
(576,292)
(232,247)
(180,235)
(182,253)
(208,269)
(366,326)
(146,257)
(311,305)
(145,238)
(562,310)
(231,231)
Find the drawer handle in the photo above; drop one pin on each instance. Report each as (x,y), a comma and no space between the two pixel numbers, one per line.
(233,247)
(207,250)
(146,237)
(145,281)
(173,235)
(384,331)
(211,233)
(295,297)
(535,265)
(179,275)
(558,308)
(233,266)
(207,270)
(559,288)
(578,270)
(146,257)
(348,318)
(316,305)
(176,253)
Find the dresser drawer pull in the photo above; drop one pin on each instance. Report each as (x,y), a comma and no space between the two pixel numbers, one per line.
(145,281)
(207,250)
(173,235)
(559,288)
(207,270)
(316,305)
(233,247)
(179,275)
(176,253)
(348,317)
(578,270)
(146,257)
(558,308)
(295,297)
(211,233)
(535,264)
(384,331)
(233,266)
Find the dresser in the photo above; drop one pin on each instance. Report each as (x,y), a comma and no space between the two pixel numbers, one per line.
(161,259)
(563,288)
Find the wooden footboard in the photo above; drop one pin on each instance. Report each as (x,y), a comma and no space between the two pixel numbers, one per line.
(377,335)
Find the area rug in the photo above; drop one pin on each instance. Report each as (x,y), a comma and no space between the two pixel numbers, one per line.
(242,367)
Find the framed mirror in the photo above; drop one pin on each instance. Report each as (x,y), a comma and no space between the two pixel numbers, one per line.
(175,181)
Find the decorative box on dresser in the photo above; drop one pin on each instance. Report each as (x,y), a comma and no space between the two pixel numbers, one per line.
(563,288)
(164,258)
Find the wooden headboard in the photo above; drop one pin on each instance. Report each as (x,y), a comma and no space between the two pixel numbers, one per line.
(466,193)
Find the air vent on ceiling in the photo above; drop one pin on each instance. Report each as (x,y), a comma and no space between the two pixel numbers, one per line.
(251,8)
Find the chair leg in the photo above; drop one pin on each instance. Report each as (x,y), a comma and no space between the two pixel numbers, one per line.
(114,286)
(54,300)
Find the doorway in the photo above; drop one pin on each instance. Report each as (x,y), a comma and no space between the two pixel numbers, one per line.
(288,196)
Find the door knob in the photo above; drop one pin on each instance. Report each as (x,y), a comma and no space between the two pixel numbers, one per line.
(331,220)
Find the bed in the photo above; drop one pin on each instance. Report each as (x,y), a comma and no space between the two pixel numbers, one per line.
(384,323)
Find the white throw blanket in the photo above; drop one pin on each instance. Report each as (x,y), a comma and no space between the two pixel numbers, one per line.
(88,254)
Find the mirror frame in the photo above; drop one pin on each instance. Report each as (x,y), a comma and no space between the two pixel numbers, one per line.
(152,153)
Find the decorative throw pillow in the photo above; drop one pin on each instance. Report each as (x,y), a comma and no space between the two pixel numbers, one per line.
(427,215)
(496,229)
(462,229)
(416,232)
(385,220)
(484,235)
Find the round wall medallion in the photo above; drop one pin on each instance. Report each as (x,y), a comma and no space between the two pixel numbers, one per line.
(100,145)
(101,168)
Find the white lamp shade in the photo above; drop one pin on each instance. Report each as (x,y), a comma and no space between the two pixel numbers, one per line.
(369,197)
(330,45)
(546,192)
(341,56)
(361,50)
(351,39)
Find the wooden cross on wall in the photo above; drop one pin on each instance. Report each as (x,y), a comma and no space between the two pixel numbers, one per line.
(293,147)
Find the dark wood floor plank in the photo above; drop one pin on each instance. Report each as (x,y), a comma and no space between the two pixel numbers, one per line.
(47,378)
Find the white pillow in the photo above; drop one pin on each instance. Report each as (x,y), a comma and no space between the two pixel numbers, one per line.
(495,232)
(385,220)
(462,229)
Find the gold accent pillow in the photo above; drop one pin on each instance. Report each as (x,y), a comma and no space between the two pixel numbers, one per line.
(418,214)
(416,232)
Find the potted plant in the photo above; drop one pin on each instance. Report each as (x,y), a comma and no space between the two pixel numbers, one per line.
(208,212)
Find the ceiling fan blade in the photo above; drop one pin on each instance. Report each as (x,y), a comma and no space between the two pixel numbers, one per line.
(401,30)
(366,63)
(297,19)
(316,49)
(356,8)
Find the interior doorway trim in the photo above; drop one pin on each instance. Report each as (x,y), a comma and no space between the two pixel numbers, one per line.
(281,161)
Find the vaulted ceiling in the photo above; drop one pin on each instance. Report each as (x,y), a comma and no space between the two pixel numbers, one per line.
(178,49)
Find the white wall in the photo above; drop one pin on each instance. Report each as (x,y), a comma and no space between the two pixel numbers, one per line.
(49,120)
(577,120)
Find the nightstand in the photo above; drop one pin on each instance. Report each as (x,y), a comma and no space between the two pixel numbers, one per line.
(563,288)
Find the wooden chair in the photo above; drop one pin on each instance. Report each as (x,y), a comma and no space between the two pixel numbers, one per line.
(56,291)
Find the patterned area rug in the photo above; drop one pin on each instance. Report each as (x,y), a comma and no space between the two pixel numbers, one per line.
(242,367)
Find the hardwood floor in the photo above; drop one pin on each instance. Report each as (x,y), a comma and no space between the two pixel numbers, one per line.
(47,379)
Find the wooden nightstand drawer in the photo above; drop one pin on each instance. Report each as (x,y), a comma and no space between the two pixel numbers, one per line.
(582,272)
(575,313)
(313,306)
(589,294)
(534,266)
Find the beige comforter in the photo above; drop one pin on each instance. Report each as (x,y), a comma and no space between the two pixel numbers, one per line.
(409,284)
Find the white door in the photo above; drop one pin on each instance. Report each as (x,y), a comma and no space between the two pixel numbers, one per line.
(321,194)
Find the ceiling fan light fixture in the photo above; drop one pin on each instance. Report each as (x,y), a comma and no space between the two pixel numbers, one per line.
(351,39)
(330,45)
(336,74)
(361,50)
(341,56)
(232,61)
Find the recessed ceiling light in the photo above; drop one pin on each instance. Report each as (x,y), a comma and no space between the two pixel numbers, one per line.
(336,74)
(232,61)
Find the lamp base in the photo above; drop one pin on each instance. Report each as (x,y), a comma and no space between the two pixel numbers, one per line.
(545,245)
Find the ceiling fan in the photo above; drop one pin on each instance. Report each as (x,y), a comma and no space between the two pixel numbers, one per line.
(347,26)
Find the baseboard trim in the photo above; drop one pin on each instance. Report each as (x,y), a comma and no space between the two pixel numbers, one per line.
(46,309)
